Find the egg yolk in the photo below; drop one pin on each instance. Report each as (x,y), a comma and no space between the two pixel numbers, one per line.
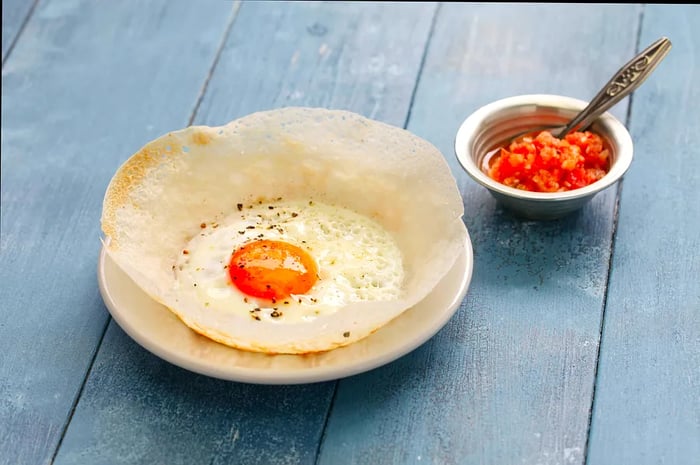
(272,269)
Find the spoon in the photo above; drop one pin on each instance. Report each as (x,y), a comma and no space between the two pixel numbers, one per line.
(624,82)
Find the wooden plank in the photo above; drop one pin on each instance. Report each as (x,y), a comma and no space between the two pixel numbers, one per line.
(647,404)
(355,57)
(138,409)
(14,15)
(86,83)
(509,380)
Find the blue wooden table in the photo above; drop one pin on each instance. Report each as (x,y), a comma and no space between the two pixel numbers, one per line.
(578,341)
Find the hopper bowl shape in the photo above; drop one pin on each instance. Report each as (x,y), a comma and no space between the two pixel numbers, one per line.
(374,207)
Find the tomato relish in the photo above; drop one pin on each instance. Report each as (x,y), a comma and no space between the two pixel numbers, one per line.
(543,163)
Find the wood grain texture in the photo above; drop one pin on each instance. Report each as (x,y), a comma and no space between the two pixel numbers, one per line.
(356,57)
(14,14)
(137,408)
(83,86)
(509,380)
(647,404)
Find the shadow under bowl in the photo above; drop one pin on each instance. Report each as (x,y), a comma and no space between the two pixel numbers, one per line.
(495,124)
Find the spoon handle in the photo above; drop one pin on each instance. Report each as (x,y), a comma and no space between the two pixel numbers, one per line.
(626,80)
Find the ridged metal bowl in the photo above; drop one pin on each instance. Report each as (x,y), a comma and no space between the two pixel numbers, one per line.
(493,125)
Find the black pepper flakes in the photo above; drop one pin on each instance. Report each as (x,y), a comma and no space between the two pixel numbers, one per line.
(270,207)
(185,252)
(239,206)
(276,314)
(250,227)
(346,334)
(295,214)
(241,232)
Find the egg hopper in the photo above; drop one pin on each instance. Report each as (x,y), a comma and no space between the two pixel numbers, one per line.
(159,331)
(158,197)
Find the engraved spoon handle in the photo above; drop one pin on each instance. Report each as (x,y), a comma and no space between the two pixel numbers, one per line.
(626,80)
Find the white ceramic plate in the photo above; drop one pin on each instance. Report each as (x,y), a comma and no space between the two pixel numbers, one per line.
(158,330)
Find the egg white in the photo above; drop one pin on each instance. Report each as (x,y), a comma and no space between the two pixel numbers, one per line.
(357,260)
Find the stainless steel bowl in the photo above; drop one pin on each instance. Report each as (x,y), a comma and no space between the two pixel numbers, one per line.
(491,125)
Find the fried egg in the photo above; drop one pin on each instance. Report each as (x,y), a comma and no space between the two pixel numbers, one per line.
(289,262)
(287,231)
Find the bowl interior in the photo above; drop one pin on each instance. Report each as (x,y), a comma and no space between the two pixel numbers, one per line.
(496,124)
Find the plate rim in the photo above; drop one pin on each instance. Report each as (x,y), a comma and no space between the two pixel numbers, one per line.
(304,376)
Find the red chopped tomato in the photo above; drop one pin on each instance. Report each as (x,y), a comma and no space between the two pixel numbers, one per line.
(544,163)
